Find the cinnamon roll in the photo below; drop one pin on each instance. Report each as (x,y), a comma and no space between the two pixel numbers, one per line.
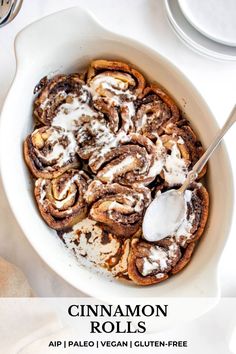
(118,208)
(155,110)
(138,161)
(114,86)
(102,248)
(183,151)
(50,151)
(62,101)
(177,160)
(192,227)
(152,263)
(61,200)
(125,77)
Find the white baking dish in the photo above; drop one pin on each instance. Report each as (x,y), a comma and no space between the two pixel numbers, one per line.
(65,42)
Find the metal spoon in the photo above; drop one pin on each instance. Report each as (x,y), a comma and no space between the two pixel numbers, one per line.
(5,9)
(172,203)
(8,10)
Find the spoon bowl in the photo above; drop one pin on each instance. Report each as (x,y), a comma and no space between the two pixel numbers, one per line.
(164,215)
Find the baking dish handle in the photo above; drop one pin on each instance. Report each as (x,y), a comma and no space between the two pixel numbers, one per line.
(58,29)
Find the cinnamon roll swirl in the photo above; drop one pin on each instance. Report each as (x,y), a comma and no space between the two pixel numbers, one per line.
(61,200)
(192,227)
(114,86)
(152,263)
(49,152)
(138,161)
(92,135)
(154,111)
(118,208)
(62,101)
(127,78)
(95,138)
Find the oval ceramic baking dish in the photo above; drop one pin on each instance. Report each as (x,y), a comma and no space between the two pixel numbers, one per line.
(68,41)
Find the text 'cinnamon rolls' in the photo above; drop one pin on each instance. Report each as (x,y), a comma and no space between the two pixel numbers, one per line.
(105,143)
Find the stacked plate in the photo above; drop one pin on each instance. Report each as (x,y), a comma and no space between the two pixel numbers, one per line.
(208,27)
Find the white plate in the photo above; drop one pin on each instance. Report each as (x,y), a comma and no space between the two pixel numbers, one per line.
(67,41)
(193,38)
(215,19)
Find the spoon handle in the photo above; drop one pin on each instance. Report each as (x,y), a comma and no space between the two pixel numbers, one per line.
(192,175)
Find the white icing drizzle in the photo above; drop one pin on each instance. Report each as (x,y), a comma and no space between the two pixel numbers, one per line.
(188,195)
(119,168)
(104,83)
(156,167)
(159,259)
(47,102)
(131,109)
(67,186)
(159,275)
(148,267)
(139,204)
(133,203)
(112,206)
(68,114)
(175,169)
(160,256)
(141,122)
(42,189)
(112,90)
(60,203)
(63,198)
(159,159)
(94,250)
(172,249)
(180,140)
(62,154)
(107,141)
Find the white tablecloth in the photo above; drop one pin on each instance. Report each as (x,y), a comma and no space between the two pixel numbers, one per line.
(146,21)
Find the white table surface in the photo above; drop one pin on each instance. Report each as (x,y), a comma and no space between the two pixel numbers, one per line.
(146,21)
